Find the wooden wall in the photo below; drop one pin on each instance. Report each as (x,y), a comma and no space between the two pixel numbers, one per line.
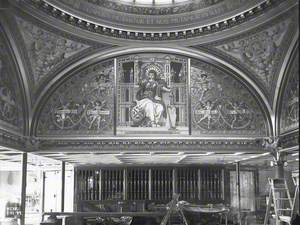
(205,184)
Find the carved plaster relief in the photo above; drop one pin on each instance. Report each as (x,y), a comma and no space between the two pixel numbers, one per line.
(290,103)
(11,112)
(46,50)
(222,105)
(260,52)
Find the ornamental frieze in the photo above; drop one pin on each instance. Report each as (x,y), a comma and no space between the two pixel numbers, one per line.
(12,141)
(149,10)
(137,22)
(46,50)
(139,145)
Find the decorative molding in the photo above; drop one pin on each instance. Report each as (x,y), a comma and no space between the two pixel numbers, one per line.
(132,34)
(13,141)
(119,145)
(133,8)
(290,139)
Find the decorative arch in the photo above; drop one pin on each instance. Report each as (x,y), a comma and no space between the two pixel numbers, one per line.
(287,108)
(72,73)
(13,98)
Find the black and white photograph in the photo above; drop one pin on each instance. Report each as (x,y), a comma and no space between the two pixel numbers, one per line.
(149,112)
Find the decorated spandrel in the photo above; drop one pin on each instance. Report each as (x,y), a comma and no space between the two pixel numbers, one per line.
(152,95)
(81,105)
(222,105)
(290,104)
(11,106)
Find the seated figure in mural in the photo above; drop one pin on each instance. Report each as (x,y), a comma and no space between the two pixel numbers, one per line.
(149,100)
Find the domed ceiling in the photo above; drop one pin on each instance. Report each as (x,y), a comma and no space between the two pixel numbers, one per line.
(153,15)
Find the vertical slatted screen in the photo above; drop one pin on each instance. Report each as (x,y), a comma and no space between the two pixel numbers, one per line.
(162,184)
(211,184)
(187,183)
(112,184)
(203,184)
(138,184)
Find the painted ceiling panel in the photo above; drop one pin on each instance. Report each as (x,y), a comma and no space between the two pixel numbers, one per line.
(11,102)
(290,103)
(46,50)
(260,51)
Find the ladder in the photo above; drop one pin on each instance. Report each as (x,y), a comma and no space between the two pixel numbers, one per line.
(281,202)
(295,176)
(172,209)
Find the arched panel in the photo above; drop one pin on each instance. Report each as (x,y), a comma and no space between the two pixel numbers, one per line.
(288,113)
(221,105)
(176,101)
(82,105)
(12,110)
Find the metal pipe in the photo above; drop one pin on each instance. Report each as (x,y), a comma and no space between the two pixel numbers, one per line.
(23,188)
(63,181)
(238,187)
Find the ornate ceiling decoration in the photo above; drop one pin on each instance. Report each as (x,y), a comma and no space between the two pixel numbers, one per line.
(93,102)
(211,17)
(11,96)
(148,7)
(289,118)
(46,50)
(260,51)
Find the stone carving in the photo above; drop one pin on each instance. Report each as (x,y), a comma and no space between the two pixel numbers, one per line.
(46,50)
(83,104)
(221,104)
(260,52)
(10,96)
(290,103)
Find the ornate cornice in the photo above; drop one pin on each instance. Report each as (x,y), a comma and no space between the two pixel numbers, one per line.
(13,141)
(154,36)
(138,144)
(290,139)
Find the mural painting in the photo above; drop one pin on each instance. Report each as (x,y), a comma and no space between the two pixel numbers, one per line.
(290,106)
(82,105)
(11,112)
(220,104)
(152,94)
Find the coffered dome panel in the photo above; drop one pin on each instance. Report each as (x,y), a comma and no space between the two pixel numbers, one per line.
(141,15)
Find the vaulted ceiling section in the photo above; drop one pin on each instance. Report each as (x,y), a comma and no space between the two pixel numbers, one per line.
(52,52)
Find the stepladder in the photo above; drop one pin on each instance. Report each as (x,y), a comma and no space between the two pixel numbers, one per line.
(173,208)
(280,203)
